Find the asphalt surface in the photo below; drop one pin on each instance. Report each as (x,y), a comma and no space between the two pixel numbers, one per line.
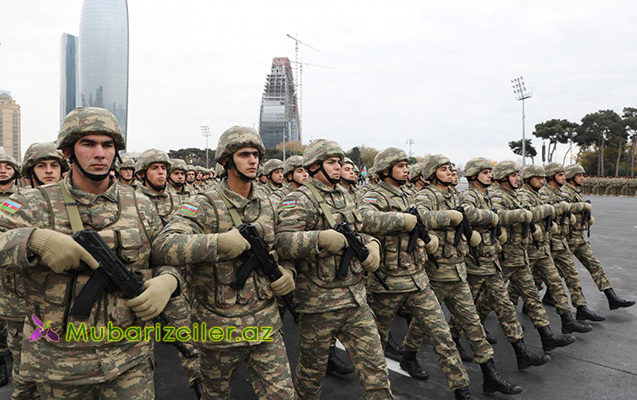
(602,364)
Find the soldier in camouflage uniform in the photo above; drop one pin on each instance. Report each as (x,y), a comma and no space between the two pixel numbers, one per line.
(330,307)
(454,180)
(295,176)
(273,170)
(177,178)
(349,179)
(127,172)
(262,179)
(513,258)
(405,275)
(485,275)
(199,183)
(539,252)
(560,252)
(191,173)
(203,238)
(449,276)
(37,226)
(580,247)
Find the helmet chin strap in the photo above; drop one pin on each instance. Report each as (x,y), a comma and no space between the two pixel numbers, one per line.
(154,187)
(351,182)
(273,182)
(34,177)
(293,180)
(230,164)
(93,177)
(4,182)
(574,183)
(330,180)
(484,185)
(447,184)
(528,182)
(178,185)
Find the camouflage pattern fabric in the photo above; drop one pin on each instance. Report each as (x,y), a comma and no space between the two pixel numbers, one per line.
(167,203)
(23,389)
(84,121)
(43,151)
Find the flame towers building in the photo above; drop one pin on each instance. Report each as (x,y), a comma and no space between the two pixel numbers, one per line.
(103,57)
(279,108)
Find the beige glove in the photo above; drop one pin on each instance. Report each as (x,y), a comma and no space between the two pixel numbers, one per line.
(432,246)
(149,304)
(231,244)
(555,229)
(476,239)
(332,241)
(372,261)
(588,207)
(573,219)
(528,216)
(565,206)
(285,284)
(503,237)
(591,221)
(455,217)
(59,251)
(409,222)
(537,235)
(495,221)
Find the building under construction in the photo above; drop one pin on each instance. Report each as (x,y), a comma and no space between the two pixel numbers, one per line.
(279,106)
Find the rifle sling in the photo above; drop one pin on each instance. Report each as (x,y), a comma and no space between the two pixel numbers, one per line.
(325,210)
(71,209)
(90,293)
(234,214)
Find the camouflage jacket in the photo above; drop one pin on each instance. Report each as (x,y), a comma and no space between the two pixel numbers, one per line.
(278,195)
(190,240)
(574,196)
(542,214)
(12,305)
(184,193)
(167,202)
(270,187)
(553,196)
(301,221)
(511,213)
(450,258)
(478,209)
(128,223)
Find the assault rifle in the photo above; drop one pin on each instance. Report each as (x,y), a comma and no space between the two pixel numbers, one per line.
(110,276)
(464,227)
(529,226)
(354,248)
(565,215)
(260,258)
(585,218)
(420,231)
(496,231)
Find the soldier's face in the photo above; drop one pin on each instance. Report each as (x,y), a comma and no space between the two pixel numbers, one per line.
(6,171)
(444,174)
(190,176)
(277,176)
(579,179)
(263,178)
(199,175)
(485,177)
(126,173)
(454,178)
(300,175)
(514,180)
(178,176)
(95,153)
(400,171)
(347,172)
(560,178)
(536,182)
(246,161)
(156,174)
(48,171)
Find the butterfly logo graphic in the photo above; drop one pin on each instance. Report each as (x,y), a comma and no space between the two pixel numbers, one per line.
(44,331)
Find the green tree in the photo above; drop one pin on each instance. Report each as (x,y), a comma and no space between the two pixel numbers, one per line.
(367,156)
(630,119)
(597,130)
(555,131)
(194,156)
(355,155)
(516,147)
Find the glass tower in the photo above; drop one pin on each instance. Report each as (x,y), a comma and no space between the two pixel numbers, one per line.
(69,87)
(279,111)
(103,59)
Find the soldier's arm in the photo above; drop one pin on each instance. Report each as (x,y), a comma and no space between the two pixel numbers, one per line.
(507,217)
(297,214)
(376,218)
(433,218)
(476,216)
(543,211)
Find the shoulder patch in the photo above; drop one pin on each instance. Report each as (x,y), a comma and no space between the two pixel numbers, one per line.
(526,196)
(370,200)
(189,209)
(10,206)
(566,194)
(496,199)
(422,196)
(544,196)
(470,197)
(288,204)
(276,197)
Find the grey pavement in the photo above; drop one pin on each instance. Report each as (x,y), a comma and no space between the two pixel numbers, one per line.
(602,364)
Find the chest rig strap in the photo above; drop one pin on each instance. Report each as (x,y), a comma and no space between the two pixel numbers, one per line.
(71,209)
(234,214)
(321,201)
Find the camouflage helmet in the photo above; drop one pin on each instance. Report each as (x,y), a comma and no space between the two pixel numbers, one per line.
(236,138)
(190,168)
(453,167)
(199,168)
(431,165)
(415,171)
(553,168)
(178,165)
(220,171)
(8,159)
(504,169)
(477,165)
(347,160)
(271,166)
(128,162)
(260,171)
(292,163)
(149,157)
(531,170)
(573,170)
(43,151)
(84,121)
(388,158)
(320,150)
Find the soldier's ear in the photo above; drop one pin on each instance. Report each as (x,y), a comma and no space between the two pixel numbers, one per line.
(67,153)
(314,167)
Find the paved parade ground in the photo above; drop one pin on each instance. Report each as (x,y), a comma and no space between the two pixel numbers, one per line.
(602,364)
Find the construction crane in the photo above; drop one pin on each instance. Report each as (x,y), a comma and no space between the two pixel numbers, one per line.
(299,84)
(299,71)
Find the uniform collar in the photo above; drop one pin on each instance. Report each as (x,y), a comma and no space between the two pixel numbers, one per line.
(235,198)
(572,187)
(323,187)
(151,193)
(393,189)
(86,198)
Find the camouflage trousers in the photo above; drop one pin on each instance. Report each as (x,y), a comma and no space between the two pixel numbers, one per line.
(178,311)
(267,365)
(544,269)
(135,384)
(566,267)
(356,329)
(522,278)
(23,388)
(493,289)
(427,319)
(585,255)
(4,350)
(457,296)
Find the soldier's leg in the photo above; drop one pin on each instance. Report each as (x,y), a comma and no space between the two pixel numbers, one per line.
(178,311)
(523,280)
(495,290)
(55,391)
(567,269)
(428,319)
(362,341)
(217,367)
(475,283)
(23,388)
(137,383)
(585,255)
(385,306)
(269,370)
(545,268)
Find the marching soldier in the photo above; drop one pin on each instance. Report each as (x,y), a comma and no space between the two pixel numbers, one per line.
(349,180)
(273,170)
(127,172)
(177,178)
(295,176)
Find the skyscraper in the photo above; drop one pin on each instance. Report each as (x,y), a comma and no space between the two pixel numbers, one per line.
(103,57)
(69,76)
(10,125)
(279,107)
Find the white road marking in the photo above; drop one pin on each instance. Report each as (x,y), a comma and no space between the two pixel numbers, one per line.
(391,364)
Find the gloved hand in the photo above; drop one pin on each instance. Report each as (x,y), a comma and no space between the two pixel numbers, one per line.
(503,237)
(432,246)
(332,241)
(588,207)
(573,219)
(409,222)
(495,221)
(59,251)
(153,300)
(591,221)
(555,229)
(372,261)
(476,239)
(565,206)
(231,244)
(537,235)
(285,284)
(528,216)
(455,217)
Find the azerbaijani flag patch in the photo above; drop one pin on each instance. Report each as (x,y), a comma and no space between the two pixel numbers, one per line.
(276,197)
(10,206)
(370,200)
(422,196)
(288,204)
(470,197)
(189,209)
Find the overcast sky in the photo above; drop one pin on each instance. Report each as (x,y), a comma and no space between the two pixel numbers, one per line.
(437,72)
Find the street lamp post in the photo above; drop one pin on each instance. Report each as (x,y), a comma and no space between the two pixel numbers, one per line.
(410,142)
(519,89)
(205,131)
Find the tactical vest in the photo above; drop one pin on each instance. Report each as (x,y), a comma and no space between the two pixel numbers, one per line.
(12,306)
(535,200)
(558,240)
(516,244)
(487,250)
(575,196)
(447,253)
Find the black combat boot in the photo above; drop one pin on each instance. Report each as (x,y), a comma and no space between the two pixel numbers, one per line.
(551,341)
(409,364)
(490,338)
(336,365)
(585,313)
(527,359)
(548,299)
(615,302)
(393,350)
(198,388)
(464,356)
(493,382)
(569,324)
(4,376)
(462,394)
